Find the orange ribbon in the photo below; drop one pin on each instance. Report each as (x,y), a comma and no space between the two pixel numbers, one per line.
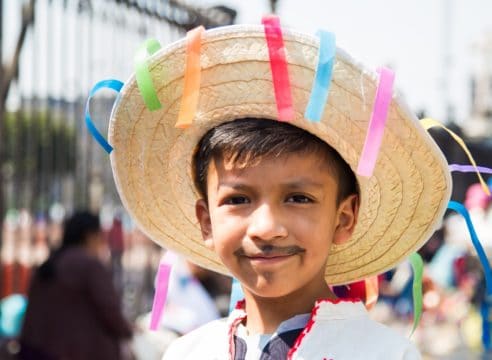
(191,90)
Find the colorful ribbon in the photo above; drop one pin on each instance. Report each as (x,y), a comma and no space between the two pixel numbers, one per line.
(161,287)
(278,66)
(470,168)
(322,79)
(417,266)
(192,76)
(142,74)
(486,303)
(377,123)
(427,123)
(460,208)
(236,294)
(112,84)
(372,291)
(485,314)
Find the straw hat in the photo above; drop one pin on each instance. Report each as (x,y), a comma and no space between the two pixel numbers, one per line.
(401,203)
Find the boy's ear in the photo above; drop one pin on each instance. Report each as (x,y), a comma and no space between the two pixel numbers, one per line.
(203,216)
(347,214)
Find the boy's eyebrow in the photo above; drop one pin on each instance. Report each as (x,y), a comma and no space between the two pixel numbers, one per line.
(234,185)
(302,183)
(295,184)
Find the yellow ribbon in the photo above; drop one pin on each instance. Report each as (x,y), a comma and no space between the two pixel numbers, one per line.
(427,123)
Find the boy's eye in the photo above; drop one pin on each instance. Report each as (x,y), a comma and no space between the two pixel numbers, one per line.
(236,200)
(300,199)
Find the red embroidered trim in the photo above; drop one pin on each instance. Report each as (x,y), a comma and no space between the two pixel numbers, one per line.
(339,300)
(311,321)
(232,329)
(240,305)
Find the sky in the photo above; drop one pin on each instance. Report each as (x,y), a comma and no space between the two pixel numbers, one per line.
(409,36)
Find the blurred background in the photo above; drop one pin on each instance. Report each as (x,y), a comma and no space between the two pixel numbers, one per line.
(53,51)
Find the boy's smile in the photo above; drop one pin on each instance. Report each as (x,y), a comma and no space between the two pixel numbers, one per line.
(273,223)
(269,252)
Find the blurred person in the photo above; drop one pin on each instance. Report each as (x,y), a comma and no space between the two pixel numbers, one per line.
(41,249)
(190,304)
(12,309)
(217,286)
(450,267)
(73,311)
(457,242)
(117,247)
(8,254)
(478,204)
(24,251)
(459,287)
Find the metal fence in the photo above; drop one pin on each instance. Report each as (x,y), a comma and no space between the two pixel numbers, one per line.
(47,156)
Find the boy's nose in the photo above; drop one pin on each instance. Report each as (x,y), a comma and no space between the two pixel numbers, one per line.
(265,224)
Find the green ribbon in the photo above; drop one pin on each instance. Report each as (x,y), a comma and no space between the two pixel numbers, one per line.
(142,74)
(417,266)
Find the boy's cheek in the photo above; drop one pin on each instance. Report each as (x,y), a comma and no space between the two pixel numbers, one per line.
(226,239)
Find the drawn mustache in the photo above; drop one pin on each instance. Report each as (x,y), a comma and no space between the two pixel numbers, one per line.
(270,251)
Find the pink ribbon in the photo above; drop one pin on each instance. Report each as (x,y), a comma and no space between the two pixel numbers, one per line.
(278,65)
(161,287)
(377,123)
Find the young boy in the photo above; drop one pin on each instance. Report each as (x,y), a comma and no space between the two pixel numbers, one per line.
(278,204)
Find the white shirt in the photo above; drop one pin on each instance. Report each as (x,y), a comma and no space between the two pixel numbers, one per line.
(335,330)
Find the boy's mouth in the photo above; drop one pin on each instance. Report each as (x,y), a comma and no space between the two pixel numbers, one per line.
(270,252)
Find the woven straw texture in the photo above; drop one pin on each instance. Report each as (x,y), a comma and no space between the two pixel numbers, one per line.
(401,204)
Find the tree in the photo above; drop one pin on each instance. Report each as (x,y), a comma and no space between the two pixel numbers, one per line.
(7,74)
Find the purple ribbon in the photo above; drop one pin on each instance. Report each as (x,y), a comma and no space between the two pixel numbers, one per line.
(469,168)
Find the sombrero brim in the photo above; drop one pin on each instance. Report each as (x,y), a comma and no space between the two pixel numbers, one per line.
(401,203)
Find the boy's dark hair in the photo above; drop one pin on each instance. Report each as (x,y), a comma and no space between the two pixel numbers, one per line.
(246,140)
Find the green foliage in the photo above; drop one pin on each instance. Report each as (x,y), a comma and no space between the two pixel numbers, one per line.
(39,142)
(39,149)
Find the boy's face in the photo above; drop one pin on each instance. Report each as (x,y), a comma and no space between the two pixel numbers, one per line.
(272,224)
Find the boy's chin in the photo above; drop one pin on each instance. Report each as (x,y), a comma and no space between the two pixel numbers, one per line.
(270,290)
(278,286)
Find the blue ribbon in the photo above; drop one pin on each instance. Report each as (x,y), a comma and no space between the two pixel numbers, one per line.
(110,84)
(236,294)
(484,312)
(322,80)
(456,206)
